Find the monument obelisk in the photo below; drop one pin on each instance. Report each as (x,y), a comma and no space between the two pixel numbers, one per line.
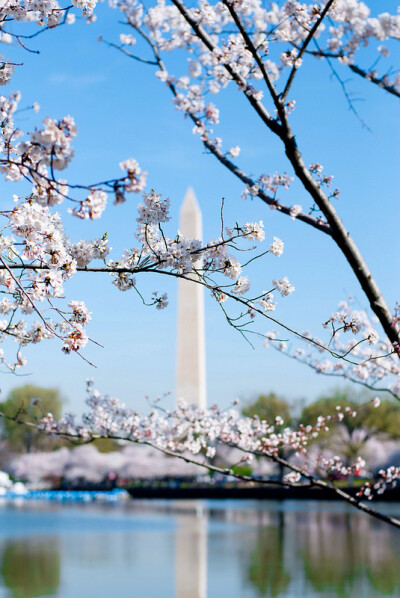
(191,360)
(191,538)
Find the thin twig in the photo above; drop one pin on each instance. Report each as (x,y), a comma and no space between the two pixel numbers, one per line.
(304,47)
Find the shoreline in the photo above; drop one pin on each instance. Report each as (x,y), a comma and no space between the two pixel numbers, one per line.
(255,493)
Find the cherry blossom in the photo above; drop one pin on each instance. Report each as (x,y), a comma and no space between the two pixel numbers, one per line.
(276,248)
(259,51)
(37,258)
(354,335)
(284,287)
(194,434)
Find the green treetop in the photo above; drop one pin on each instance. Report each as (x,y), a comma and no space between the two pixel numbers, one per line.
(29,404)
(349,436)
(269,407)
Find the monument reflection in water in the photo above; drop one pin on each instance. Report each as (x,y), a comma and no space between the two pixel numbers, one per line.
(202,550)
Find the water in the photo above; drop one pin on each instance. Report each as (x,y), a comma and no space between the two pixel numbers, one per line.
(196,549)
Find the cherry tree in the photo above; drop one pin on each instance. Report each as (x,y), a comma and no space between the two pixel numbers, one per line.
(230,44)
(260,51)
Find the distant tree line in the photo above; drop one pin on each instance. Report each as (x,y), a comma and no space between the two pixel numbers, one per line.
(361,422)
(348,437)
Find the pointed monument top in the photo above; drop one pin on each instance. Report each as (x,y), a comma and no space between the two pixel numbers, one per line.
(190,203)
(190,216)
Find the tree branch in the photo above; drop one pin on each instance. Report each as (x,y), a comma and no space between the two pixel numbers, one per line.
(239,79)
(314,481)
(304,47)
(365,74)
(221,157)
(253,51)
(343,239)
(338,230)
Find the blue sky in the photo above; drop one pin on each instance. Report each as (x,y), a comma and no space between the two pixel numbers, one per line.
(123,111)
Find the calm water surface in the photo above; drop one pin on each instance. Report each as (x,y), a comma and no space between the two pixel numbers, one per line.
(196,549)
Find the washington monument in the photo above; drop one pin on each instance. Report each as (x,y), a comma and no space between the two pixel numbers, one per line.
(191,360)
(191,539)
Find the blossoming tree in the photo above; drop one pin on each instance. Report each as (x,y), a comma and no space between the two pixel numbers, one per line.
(230,44)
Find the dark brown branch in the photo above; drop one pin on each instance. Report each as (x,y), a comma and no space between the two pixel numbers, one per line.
(304,47)
(314,481)
(129,55)
(221,157)
(343,239)
(253,51)
(376,80)
(239,79)
(365,74)
(270,201)
(155,269)
(338,230)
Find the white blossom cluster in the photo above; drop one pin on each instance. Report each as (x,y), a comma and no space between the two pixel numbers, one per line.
(388,478)
(369,359)
(268,183)
(334,466)
(183,256)
(37,238)
(191,431)
(219,53)
(43,13)
(37,257)
(187,428)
